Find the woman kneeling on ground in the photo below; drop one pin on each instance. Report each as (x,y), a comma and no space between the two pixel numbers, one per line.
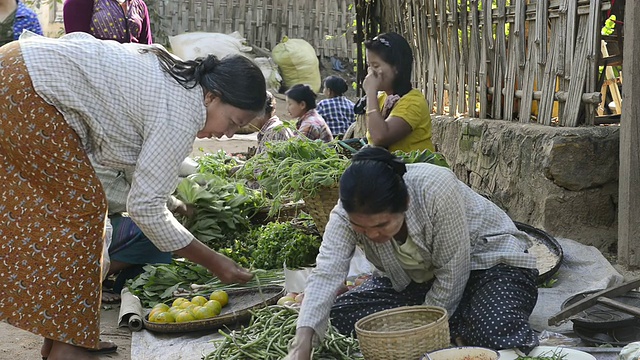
(436,242)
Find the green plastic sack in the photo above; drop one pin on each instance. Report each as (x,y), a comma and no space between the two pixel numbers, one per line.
(298,63)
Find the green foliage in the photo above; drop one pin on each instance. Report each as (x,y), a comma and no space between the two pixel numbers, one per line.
(222,207)
(218,163)
(424,156)
(295,168)
(279,243)
(159,283)
(549,283)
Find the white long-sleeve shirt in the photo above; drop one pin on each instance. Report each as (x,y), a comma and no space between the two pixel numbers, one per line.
(128,113)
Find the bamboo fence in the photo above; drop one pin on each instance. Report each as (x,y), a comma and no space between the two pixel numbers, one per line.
(326,24)
(537,62)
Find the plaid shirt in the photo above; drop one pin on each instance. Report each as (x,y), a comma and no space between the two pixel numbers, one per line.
(313,126)
(454,228)
(337,113)
(129,115)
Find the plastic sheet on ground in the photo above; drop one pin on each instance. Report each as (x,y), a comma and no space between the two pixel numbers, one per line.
(584,268)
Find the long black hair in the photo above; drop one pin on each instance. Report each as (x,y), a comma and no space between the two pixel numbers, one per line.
(303,92)
(395,51)
(235,79)
(373,183)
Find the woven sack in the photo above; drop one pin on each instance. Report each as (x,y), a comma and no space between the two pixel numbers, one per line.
(406,332)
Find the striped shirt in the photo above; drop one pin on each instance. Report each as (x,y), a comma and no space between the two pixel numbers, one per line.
(130,116)
(337,113)
(454,228)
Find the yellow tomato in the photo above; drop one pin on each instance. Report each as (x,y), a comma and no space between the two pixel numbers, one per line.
(214,305)
(221,296)
(199,300)
(204,312)
(164,317)
(184,316)
(179,301)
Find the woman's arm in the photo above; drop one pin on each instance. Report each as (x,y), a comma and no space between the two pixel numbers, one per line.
(383,132)
(332,267)
(450,243)
(76,15)
(221,266)
(145,30)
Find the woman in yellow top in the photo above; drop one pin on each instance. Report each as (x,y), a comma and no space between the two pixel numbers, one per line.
(397,115)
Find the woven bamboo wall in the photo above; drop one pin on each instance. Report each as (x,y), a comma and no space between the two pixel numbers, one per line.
(538,58)
(326,24)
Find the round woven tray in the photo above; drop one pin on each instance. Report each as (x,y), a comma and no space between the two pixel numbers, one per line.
(406,332)
(241,301)
(553,249)
(320,205)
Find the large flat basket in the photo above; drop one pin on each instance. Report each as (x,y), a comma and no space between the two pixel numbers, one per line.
(241,302)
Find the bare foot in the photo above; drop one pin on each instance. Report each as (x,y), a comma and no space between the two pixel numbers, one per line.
(109,297)
(55,350)
(63,351)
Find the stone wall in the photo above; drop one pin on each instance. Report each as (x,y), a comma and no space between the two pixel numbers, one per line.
(562,180)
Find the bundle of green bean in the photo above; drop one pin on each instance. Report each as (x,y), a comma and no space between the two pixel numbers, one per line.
(268,336)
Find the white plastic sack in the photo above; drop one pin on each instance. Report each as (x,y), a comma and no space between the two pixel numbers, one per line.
(189,46)
(270,72)
(630,352)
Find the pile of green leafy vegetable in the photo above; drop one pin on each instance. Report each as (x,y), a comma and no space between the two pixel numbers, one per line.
(299,168)
(295,168)
(222,207)
(163,282)
(274,244)
(219,163)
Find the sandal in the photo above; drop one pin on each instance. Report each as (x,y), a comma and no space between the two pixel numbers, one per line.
(106,347)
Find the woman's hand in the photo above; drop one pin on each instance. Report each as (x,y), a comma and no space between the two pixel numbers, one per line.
(229,272)
(183,209)
(300,348)
(371,82)
(221,266)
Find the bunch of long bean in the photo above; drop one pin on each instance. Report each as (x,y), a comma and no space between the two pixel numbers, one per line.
(268,336)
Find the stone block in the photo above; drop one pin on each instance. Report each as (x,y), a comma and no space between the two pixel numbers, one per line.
(563,180)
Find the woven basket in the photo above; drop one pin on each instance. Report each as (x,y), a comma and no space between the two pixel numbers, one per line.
(406,332)
(320,205)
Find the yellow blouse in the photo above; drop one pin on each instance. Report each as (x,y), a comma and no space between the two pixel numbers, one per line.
(413,109)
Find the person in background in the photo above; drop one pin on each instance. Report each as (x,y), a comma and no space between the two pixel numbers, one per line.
(398,117)
(435,241)
(336,110)
(16,17)
(301,104)
(271,128)
(53,206)
(123,21)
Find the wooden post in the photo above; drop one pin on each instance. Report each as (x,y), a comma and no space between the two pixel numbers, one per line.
(629,190)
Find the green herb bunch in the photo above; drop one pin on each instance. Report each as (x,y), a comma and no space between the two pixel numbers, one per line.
(293,169)
(279,243)
(222,207)
(219,163)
